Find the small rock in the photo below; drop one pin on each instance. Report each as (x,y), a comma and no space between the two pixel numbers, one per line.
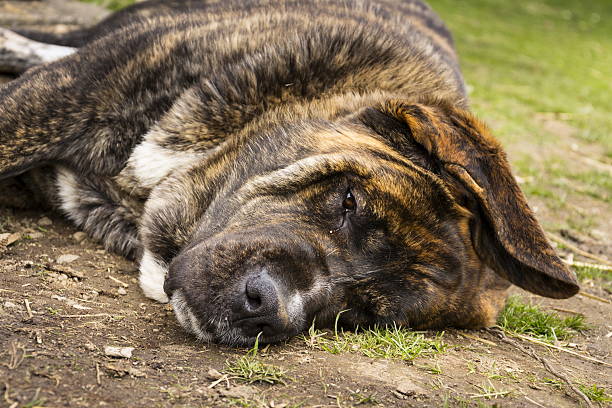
(45,222)
(213,374)
(120,352)
(409,388)
(122,291)
(66,258)
(9,239)
(79,236)
(9,304)
(36,235)
(121,369)
(241,391)
(90,346)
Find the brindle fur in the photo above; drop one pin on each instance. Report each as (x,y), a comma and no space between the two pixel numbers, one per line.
(261,115)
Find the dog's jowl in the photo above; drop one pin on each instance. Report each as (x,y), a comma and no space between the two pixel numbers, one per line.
(272,163)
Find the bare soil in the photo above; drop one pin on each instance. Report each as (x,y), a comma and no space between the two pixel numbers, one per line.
(58,313)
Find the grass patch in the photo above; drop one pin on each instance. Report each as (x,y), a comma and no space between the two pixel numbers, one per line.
(111,4)
(595,393)
(522,318)
(250,369)
(391,342)
(600,275)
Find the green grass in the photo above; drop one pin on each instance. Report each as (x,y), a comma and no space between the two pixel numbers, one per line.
(391,342)
(111,4)
(522,318)
(250,369)
(533,63)
(595,393)
(596,274)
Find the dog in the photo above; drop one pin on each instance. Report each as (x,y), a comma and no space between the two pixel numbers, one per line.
(273,163)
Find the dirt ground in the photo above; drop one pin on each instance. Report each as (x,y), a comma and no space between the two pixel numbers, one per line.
(63,299)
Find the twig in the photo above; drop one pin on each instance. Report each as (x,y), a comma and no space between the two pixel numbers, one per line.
(490,394)
(533,402)
(15,358)
(470,336)
(125,285)
(87,315)
(28,308)
(542,343)
(560,309)
(588,295)
(587,265)
(7,397)
(98,380)
(220,380)
(579,251)
(546,365)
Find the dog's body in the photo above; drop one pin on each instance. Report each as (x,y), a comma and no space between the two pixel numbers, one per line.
(274,162)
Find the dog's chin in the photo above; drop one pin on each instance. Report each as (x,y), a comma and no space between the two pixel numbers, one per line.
(218,329)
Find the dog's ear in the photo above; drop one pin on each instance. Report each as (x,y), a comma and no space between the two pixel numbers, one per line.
(511,241)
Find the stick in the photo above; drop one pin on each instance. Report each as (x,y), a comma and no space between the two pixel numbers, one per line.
(579,251)
(216,382)
(533,402)
(88,315)
(542,343)
(588,265)
(559,309)
(469,336)
(125,285)
(547,366)
(98,380)
(18,53)
(588,295)
(28,308)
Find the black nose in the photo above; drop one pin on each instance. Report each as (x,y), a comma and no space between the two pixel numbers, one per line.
(257,306)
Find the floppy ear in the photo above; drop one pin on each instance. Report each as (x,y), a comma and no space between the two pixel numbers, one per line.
(513,243)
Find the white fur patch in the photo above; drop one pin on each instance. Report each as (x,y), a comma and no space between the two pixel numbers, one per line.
(186,317)
(151,163)
(152,276)
(295,308)
(67,186)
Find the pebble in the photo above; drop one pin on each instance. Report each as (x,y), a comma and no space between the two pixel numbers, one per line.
(121,352)
(122,291)
(79,236)
(36,235)
(213,374)
(9,304)
(409,388)
(66,258)
(45,222)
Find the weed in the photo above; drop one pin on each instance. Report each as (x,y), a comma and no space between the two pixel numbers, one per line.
(557,384)
(595,393)
(35,403)
(522,318)
(360,399)
(250,369)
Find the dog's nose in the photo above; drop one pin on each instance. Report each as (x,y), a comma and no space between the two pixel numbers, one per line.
(258,306)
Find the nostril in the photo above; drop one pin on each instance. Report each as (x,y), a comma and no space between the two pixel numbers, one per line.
(253,298)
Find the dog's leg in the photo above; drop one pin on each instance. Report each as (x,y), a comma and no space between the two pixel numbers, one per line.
(102,210)
(18,53)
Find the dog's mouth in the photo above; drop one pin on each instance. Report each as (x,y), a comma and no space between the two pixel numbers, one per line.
(237,327)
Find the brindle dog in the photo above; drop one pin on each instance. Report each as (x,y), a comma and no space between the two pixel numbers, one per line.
(274,162)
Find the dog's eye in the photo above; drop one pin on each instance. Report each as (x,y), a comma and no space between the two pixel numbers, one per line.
(349,203)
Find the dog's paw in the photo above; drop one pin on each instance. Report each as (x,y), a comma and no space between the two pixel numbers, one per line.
(152,276)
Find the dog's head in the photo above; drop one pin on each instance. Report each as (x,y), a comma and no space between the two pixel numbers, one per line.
(397,213)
